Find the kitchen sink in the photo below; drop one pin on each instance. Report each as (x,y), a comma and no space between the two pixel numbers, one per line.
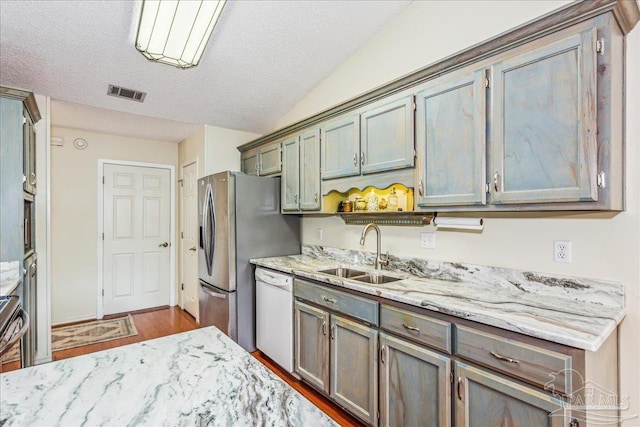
(343,272)
(375,279)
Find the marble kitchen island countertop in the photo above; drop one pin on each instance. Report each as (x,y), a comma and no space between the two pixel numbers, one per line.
(577,312)
(195,378)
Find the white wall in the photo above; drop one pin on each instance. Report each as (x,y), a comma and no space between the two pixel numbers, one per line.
(605,245)
(74,215)
(220,148)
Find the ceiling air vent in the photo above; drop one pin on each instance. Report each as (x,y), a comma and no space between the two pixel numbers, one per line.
(120,92)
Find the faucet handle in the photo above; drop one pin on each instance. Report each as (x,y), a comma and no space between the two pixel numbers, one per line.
(384,260)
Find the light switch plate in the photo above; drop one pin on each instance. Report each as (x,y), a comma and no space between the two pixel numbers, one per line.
(428,240)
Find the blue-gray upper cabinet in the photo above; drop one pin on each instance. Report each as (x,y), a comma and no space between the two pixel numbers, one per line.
(386,136)
(249,162)
(341,147)
(450,140)
(301,172)
(262,161)
(290,174)
(543,121)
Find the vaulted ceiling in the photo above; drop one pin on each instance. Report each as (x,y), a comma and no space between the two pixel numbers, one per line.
(263,57)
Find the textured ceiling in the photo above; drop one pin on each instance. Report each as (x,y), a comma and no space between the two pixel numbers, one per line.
(264,56)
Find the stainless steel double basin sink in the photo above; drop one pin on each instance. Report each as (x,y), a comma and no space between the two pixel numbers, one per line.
(360,276)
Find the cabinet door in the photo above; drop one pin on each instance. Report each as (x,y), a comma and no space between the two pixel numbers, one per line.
(414,385)
(387,136)
(290,174)
(312,345)
(451,134)
(269,161)
(341,148)
(310,170)
(484,399)
(543,123)
(354,368)
(250,162)
(29,150)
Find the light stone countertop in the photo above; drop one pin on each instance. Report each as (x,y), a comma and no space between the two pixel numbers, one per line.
(9,277)
(577,312)
(196,378)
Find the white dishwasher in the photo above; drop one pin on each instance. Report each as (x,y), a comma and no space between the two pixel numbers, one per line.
(274,316)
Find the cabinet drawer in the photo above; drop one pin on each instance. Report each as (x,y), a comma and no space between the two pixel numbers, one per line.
(536,365)
(352,305)
(432,332)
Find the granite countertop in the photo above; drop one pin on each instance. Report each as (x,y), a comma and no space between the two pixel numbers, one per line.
(577,312)
(196,378)
(9,277)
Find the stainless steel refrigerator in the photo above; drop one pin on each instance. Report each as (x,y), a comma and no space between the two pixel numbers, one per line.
(240,219)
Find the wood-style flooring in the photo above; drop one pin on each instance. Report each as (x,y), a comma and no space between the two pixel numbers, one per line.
(173,320)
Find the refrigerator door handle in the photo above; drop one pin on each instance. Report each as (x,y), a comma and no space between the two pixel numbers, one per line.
(209,292)
(208,228)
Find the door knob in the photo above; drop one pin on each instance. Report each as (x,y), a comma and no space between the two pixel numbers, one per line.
(193,249)
(163,245)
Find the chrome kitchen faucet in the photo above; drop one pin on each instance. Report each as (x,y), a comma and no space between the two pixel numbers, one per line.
(380,261)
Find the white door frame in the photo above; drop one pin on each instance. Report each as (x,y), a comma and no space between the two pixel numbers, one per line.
(172,216)
(182,166)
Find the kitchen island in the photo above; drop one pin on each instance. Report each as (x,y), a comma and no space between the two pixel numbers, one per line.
(195,378)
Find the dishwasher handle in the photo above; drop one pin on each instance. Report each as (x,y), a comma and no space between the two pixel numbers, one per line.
(274,279)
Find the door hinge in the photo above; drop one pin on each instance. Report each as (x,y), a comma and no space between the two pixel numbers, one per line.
(600,46)
(182,234)
(103,293)
(102,236)
(182,286)
(181,181)
(103,180)
(602,181)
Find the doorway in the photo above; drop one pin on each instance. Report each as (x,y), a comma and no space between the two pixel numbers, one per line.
(136,255)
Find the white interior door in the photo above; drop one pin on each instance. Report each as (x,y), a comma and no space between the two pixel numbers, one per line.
(137,235)
(190,239)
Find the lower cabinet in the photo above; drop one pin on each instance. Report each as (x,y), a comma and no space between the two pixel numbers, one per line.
(415,386)
(485,399)
(340,359)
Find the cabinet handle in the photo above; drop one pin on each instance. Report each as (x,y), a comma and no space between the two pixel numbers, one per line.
(382,354)
(329,300)
(362,158)
(420,187)
(33,269)
(315,197)
(295,199)
(459,387)
(324,328)
(411,328)
(495,181)
(33,178)
(355,159)
(333,332)
(257,167)
(505,358)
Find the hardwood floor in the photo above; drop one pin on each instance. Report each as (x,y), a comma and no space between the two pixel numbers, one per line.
(173,320)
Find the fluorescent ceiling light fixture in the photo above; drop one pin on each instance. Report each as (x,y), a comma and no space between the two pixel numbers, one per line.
(175,32)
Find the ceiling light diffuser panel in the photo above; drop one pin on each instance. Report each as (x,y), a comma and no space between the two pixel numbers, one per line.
(175,32)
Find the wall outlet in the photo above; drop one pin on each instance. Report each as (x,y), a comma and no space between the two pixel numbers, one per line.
(319,233)
(428,240)
(562,251)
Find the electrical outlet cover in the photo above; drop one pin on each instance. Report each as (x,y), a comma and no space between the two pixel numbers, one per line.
(562,251)
(428,240)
